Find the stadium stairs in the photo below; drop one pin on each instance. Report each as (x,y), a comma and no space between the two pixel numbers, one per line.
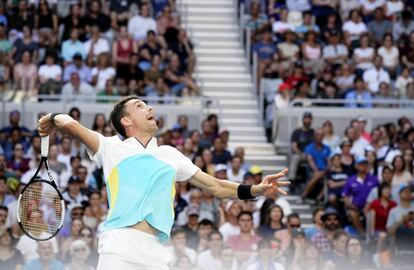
(223,73)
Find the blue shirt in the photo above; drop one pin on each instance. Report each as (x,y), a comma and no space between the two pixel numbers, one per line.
(359,191)
(37,265)
(320,156)
(353,95)
(84,73)
(264,51)
(70,48)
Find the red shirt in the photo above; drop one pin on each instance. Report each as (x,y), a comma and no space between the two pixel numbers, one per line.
(238,244)
(381,213)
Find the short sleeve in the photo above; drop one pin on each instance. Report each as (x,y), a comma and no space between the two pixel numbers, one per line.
(98,157)
(185,169)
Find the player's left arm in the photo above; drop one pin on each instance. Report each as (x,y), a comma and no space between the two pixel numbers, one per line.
(227,189)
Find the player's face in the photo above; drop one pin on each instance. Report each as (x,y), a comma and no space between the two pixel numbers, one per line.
(140,116)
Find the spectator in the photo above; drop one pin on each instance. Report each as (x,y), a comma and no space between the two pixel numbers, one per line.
(220,154)
(309,258)
(380,208)
(79,252)
(102,72)
(87,236)
(54,164)
(25,74)
(139,25)
(177,80)
(211,258)
(265,257)
(353,29)
(76,90)
(74,20)
(356,258)
(335,53)
(229,220)
(400,219)
(123,48)
(285,236)
(288,50)
(73,195)
(95,17)
(345,80)
(246,241)
(46,258)
(404,27)
(300,139)
(338,253)
(390,54)
(359,96)
(312,53)
(11,258)
(364,54)
(400,176)
(73,46)
(266,52)
(178,249)
(46,23)
(330,139)
(298,5)
(235,172)
(96,45)
(336,177)
(27,176)
(50,76)
(356,191)
(402,82)
(255,20)
(379,26)
(27,43)
(77,66)
(375,75)
(386,177)
(331,224)
(18,164)
(317,221)
(307,25)
(75,229)
(272,221)
(317,155)
(95,213)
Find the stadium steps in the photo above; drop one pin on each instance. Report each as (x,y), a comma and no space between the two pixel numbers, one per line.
(223,74)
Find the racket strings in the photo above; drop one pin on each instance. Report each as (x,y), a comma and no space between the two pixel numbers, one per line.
(40,210)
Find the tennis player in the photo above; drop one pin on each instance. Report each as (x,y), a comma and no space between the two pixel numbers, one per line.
(140,177)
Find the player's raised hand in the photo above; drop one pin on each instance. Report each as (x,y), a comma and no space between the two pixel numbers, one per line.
(270,184)
(45,125)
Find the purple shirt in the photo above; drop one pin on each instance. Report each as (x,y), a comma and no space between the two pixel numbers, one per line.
(359,191)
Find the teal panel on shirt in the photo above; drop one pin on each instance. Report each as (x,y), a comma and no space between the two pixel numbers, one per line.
(145,191)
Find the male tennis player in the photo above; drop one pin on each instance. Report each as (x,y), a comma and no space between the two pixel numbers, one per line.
(140,178)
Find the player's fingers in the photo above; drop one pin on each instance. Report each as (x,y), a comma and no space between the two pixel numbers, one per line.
(278,175)
(281,191)
(283,183)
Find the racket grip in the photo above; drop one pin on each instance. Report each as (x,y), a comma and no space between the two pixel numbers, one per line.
(45,146)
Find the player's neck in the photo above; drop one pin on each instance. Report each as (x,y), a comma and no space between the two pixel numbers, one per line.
(143,139)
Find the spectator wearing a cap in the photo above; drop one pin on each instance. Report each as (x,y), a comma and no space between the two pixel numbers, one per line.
(76,90)
(229,224)
(282,98)
(257,173)
(78,66)
(331,223)
(265,256)
(356,191)
(300,139)
(180,246)
(235,173)
(220,154)
(73,46)
(221,171)
(401,218)
(317,155)
(335,53)
(193,213)
(73,195)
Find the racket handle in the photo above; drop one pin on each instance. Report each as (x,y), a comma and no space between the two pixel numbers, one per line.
(45,146)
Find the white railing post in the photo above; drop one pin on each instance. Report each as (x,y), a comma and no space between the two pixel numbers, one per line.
(248,46)
(241,22)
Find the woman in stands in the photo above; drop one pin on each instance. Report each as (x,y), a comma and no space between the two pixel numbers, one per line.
(272,221)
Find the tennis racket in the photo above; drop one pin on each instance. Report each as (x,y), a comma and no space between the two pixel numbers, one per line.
(40,207)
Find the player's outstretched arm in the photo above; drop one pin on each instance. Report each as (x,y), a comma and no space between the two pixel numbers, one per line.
(227,189)
(67,124)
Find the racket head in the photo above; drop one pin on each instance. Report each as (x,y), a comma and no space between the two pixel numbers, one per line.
(40,209)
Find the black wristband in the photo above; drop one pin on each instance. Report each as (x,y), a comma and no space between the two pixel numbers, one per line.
(244,193)
(52,117)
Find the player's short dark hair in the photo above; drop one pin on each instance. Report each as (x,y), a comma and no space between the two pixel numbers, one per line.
(118,112)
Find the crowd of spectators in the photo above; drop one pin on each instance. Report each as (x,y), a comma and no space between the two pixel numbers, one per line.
(356,50)
(79,49)
(366,178)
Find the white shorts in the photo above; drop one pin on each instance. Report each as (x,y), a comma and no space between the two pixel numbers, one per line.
(131,249)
